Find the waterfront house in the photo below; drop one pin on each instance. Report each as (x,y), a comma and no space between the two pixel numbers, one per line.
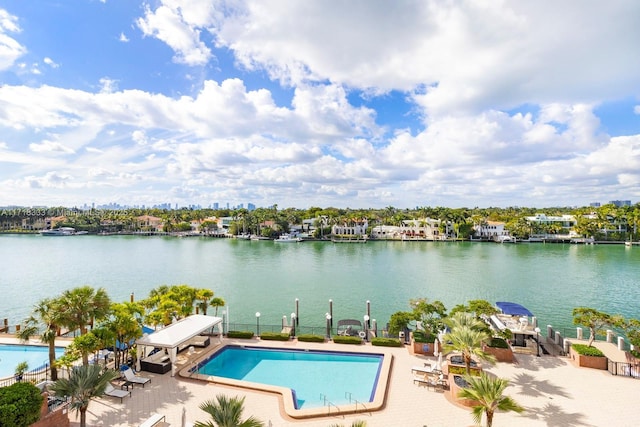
(149,223)
(491,230)
(352,227)
(423,229)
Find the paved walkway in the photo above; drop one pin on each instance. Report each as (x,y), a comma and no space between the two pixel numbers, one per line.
(554,392)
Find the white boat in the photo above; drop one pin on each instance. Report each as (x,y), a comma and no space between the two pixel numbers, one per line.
(287,238)
(628,243)
(256,237)
(62,231)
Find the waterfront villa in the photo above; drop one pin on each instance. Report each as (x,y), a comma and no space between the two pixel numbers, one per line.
(493,230)
(351,228)
(150,223)
(424,229)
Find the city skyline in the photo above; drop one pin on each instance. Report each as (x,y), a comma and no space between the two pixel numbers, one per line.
(319,103)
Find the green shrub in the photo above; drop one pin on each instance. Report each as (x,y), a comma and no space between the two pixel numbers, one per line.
(461,370)
(20,405)
(423,337)
(311,338)
(239,334)
(635,354)
(274,336)
(340,339)
(585,350)
(387,342)
(497,343)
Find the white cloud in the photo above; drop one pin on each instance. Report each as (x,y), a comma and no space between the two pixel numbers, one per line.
(50,62)
(10,49)
(50,147)
(466,69)
(171,25)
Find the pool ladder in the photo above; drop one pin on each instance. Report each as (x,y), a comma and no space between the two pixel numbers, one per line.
(349,396)
(328,404)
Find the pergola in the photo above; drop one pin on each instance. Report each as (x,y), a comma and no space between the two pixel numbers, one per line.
(172,336)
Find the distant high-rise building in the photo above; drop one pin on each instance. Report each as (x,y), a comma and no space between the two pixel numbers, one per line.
(594,204)
(216,206)
(251,206)
(620,203)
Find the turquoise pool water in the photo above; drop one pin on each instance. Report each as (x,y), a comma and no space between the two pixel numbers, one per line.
(12,354)
(315,377)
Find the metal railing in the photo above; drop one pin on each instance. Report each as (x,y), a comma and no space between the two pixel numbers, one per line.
(349,396)
(34,376)
(328,404)
(624,369)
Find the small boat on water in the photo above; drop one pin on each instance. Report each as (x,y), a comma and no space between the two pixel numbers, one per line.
(628,243)
(62,231)
(256,237)
(287,238)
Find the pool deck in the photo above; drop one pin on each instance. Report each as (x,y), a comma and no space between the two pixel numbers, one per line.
(553,391)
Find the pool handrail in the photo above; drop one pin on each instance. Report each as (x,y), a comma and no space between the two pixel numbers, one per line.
(349,396)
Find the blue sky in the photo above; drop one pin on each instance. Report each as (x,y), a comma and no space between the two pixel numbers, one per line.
(319,103)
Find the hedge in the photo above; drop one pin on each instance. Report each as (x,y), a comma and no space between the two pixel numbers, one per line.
(585,350)
(20,405)
(423,337)
(340,339)
(239,334)
(498,343)
(311,338)
(462,370)
(274,336)
(387,342)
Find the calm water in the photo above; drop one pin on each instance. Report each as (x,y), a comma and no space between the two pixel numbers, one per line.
(302,371)
(12,355)
(265,277)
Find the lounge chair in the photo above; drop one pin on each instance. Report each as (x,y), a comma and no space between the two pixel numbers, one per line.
(114,392)
(135,379)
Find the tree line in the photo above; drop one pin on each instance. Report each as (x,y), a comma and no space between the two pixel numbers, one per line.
(607,222)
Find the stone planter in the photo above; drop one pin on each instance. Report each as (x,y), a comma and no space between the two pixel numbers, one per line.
(501,354)
(593,362)
(456,383)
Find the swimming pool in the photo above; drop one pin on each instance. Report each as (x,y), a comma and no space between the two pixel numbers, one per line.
(12,354)
(315,378)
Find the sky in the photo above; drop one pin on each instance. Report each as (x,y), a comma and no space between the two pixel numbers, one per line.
(352,104)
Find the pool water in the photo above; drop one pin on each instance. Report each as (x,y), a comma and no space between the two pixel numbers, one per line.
(316,378)
(11,355)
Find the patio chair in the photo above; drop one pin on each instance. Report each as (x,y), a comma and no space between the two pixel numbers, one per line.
(114,392)
(135,379)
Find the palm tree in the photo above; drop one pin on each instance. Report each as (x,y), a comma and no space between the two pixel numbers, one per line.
(468,341)
(226,412)
(48,314)
(216,303)
(356,423)
(83,384)
(124,324)
(487,391)
(83,306)
(203,298)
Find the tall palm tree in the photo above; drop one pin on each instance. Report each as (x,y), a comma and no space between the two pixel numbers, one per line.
(226,412)
(83,384)
(468,341)
(46,314)
(83,306)
(487,391)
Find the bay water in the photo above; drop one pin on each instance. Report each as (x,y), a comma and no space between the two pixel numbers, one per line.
(267,277)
